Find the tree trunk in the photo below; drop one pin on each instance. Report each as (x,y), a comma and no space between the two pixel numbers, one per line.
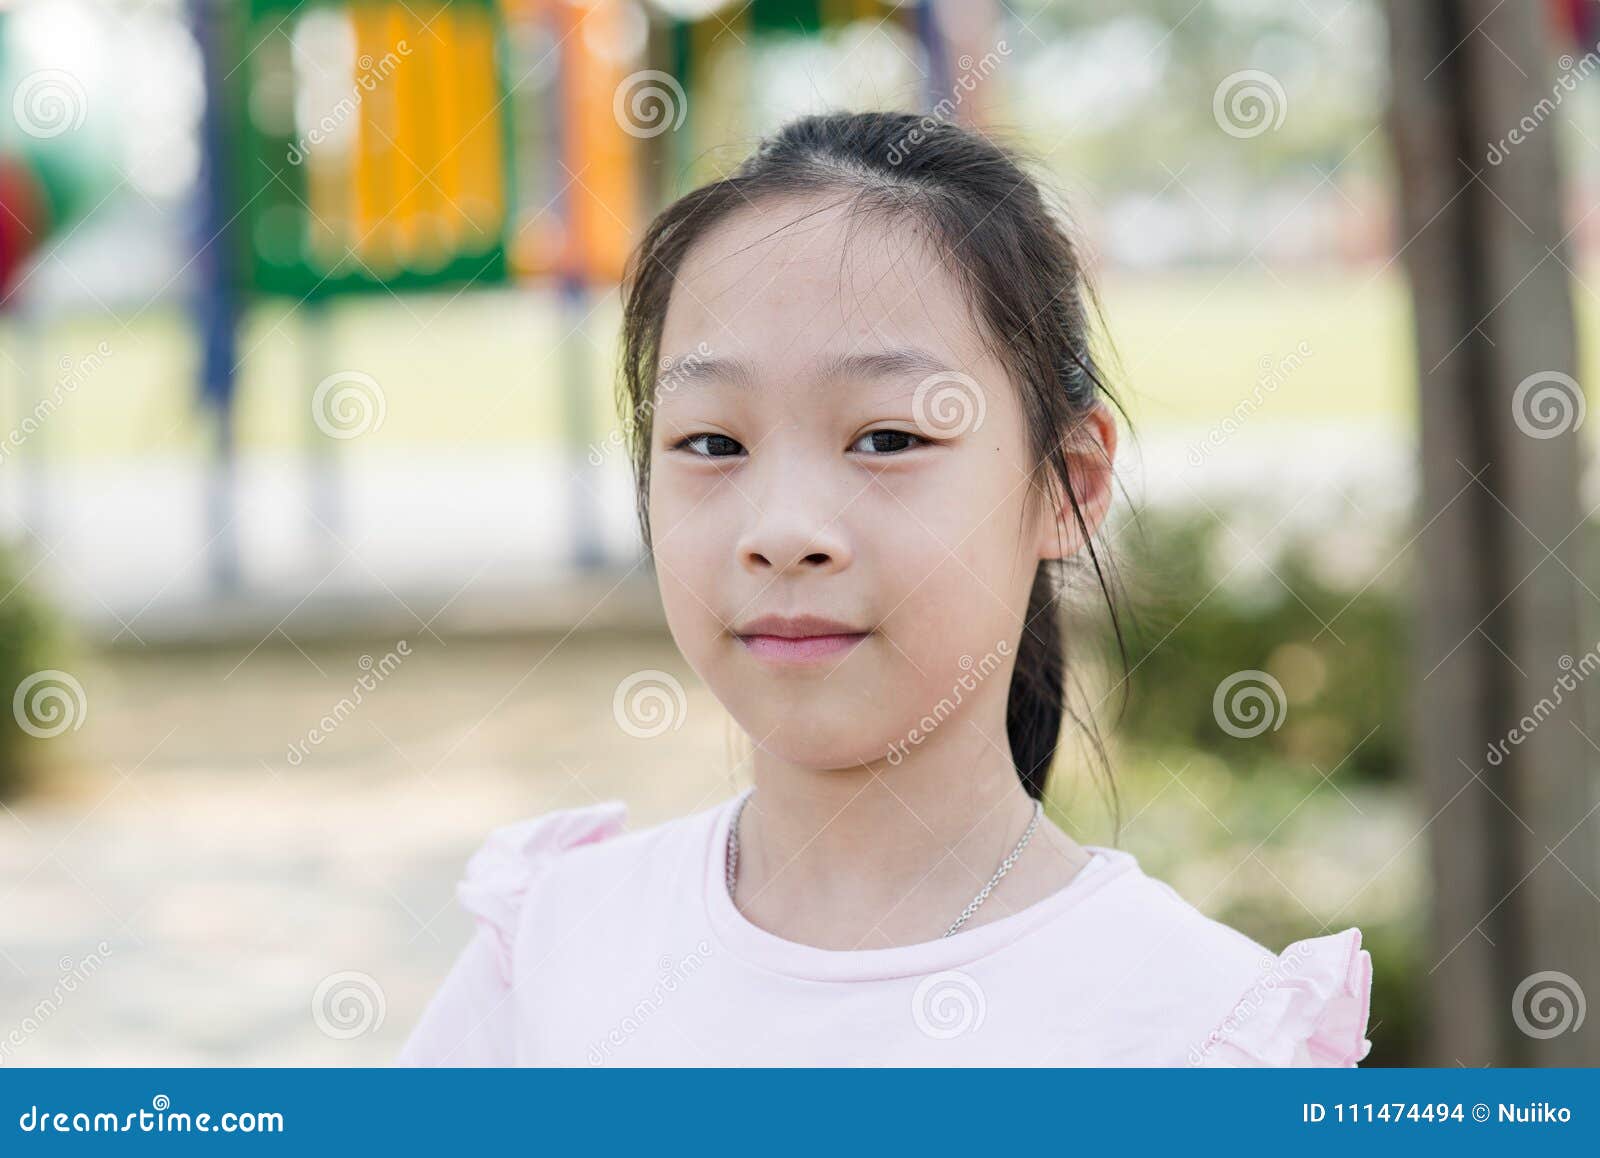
(1504,749)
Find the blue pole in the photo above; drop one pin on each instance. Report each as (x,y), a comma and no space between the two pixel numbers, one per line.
(588,551)
(215,302)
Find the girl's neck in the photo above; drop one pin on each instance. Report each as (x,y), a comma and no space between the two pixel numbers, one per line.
(890,854)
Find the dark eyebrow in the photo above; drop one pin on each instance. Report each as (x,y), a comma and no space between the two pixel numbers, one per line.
(696,369)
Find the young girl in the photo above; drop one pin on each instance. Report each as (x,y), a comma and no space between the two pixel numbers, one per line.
(867,432)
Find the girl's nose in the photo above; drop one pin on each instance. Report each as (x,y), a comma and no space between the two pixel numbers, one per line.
(795,532)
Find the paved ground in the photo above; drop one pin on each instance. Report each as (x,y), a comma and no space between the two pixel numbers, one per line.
(190,889)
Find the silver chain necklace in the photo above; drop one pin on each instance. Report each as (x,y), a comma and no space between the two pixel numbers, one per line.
(732,860)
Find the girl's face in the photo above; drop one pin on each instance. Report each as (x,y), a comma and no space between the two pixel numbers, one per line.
(831,440)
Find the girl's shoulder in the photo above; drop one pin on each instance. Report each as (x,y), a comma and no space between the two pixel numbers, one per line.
(514,858)
(1306,1006)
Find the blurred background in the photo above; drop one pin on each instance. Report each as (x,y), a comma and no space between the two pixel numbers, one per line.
(319,549)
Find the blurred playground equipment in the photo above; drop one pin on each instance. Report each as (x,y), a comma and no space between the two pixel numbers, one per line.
(350,150)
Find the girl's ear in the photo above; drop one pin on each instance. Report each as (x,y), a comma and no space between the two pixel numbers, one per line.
(1090,451)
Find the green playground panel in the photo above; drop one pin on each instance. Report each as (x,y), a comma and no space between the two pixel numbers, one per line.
(273,164)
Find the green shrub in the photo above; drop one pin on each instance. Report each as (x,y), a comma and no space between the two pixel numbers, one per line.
(1206,608)
(32,643)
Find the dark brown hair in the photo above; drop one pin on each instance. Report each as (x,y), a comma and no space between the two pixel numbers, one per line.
(1020,270)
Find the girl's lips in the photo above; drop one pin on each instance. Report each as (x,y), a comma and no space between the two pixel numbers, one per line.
(804,649)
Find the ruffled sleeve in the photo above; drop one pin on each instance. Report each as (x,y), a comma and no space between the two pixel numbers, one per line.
(498,873)
(1308,1007)
(467,1021)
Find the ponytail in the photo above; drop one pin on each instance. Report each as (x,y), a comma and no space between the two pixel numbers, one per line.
(1035,706)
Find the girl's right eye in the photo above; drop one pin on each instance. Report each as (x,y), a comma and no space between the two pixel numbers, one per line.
(718,445)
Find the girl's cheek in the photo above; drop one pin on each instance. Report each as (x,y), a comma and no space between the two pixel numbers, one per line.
(929,534)
(682,500)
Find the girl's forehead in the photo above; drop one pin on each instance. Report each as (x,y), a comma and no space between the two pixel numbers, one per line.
(795,279)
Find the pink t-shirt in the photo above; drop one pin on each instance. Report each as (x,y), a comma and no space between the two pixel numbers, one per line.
(599,946)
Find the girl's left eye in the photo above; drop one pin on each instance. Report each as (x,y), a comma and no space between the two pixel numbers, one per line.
(889,442)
